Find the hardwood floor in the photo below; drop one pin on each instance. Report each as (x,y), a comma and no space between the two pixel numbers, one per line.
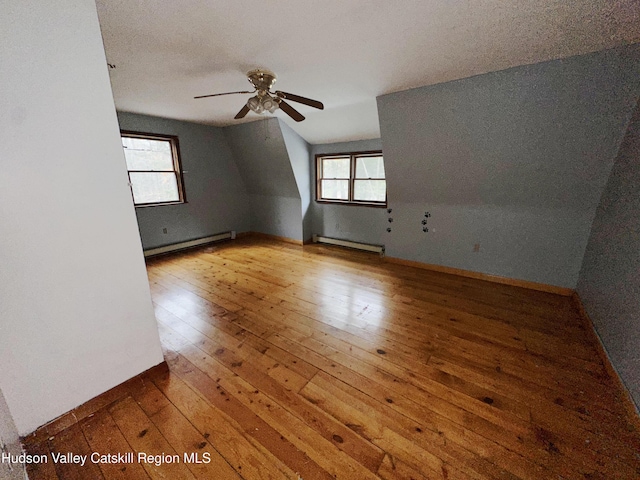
(318,362)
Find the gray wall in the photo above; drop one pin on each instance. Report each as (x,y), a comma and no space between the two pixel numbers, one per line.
(609,283)
(298,152)
(9,443)
(349,222)
(261,155)
(514,161)
(216,196)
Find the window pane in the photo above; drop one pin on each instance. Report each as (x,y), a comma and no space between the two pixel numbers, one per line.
(335,189)
(154,187)
(370,190)
(336,167)
(145,154)
(370,167)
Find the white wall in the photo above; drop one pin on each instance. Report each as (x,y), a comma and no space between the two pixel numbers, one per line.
(75,314)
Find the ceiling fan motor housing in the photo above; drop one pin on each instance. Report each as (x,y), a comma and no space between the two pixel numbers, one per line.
(262,79)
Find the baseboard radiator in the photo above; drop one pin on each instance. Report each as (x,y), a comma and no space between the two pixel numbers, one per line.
(349,244)
(190,244)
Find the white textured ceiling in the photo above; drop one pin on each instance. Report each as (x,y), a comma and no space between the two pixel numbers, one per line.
(341,52)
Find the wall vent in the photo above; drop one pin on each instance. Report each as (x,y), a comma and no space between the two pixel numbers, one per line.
(349,244)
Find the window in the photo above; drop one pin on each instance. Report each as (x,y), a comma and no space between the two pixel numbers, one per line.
(153,162)
(351,178)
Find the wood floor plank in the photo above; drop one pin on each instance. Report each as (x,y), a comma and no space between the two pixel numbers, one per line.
(225,435)
(41,470)
(326,426)
(71,441)
(324,452)
(399,437)
(394,469)
(105,438)
(543,401)
(315,362)
(160,459)
(204,461)
(253,425)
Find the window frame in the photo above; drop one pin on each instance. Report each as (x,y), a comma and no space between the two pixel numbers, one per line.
(353,156)
(177,166)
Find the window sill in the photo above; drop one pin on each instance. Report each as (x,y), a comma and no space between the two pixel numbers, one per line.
(357,204)
(145,205)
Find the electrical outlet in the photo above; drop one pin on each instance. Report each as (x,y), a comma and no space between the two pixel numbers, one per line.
(476,247)
(164,230)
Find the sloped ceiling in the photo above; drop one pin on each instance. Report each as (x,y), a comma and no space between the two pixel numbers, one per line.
(535,136)
(342,52)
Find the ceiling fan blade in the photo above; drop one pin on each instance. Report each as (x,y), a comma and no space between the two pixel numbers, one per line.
(299,99)
(227,93)
(292,112)
(242,113)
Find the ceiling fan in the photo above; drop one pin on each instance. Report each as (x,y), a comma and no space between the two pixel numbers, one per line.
(267,101)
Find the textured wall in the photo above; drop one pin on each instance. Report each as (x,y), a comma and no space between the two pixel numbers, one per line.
(609,283)
(514,161)
(216,196)
(263,160)
(298,152)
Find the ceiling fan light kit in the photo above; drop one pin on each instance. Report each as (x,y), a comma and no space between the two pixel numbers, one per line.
(267,101)
(270,104)
(255,105)
(263,103)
